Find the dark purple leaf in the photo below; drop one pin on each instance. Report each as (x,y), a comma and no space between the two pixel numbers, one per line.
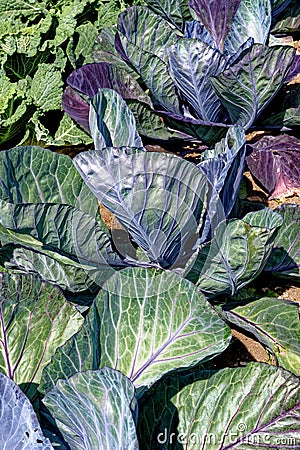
(275,163)
(76,107)
(91,77)
(216,16)
(294,69)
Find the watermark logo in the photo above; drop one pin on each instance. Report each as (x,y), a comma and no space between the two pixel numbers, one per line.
(231,437)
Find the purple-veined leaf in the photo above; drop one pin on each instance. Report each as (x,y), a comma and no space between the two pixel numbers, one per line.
(252,20)
(247,86)
(119,329)
(262,413)
(275,323)
(176,12)
(35,320)
(274,161)
(216,16)
(105,50)
(224,167)
(195,30)
(236,254)
(20,428)
(159,198)
(155,75)
(92,410)
(146,30)
(192,63)
(285,256)
(112,124)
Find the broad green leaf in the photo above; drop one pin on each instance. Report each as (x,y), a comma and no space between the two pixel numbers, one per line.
(175,12)
(252,19)
(58,229)
(105,51)
(93,410)
(35,320)
(50,267)
(192,63)
(285,257)
(20,428)
(112,124)
(155,74)
(253,407)
(275,323)
(36,175)
(150,124)
(160,199)
(247,86)
(236,255)
(132,24)
(118,331)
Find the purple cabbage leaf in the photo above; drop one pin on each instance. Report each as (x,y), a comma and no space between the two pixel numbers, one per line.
(217,17)
(274,161)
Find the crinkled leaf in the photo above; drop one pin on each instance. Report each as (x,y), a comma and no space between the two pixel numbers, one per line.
(35,320)
(159,198)
(132,24)
(46,87)
(252,19)
(236,254)
(262,413)
(274,161)
(69,133)
(20,428)
(247,86)
(112,124)
(118,331)
(192,63)
(275,323)
(285,257)
(224,167)
(216,16)
(36,175)
(93,410)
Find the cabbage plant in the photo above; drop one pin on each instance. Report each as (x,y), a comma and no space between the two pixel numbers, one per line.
(194,73)
(112,341)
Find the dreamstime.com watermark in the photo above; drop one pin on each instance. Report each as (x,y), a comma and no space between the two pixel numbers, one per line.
(227,438)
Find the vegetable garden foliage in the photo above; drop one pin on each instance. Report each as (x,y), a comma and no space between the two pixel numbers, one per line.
(41,42)
(201,67)
(127,362)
